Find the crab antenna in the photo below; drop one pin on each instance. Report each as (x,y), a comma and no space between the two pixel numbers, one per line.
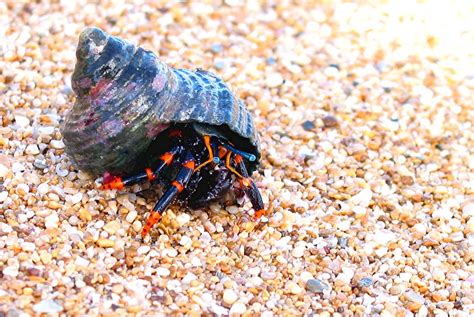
(245,155)
(215,151)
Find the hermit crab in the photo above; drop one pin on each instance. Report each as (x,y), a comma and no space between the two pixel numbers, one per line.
(133,110)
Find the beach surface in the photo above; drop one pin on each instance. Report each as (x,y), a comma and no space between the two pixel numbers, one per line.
(365,114)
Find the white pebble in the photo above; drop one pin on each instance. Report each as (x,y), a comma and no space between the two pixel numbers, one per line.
(52,221)
(274,80)
(3,196)
(22,189)
(457,236)
(10,271)
(61,172)
(183,219)
(229,296)
(171,252)
(442,213)
(32,149)
(238,308)
(467,210)
(4,228)
(268,275)
(57,144)
(162,271)
(294,288)
(73,220)
(405,276)
(298,251)
(188,278)
(18,167)
(185,241)
(380,252)
(48,307)
(420,228)
(331,72)
(124,201)
(305,276)
(22,218)
(232,210)
(28,246)
(80,261)
(383,237)
(469,225)
(131,216)
(137,225)
(46,130)
(74,199)
(195,261)
(439,276)
(283,242)
(42,189)
(359,210)
(363,198)
(22,121)
(411,296)
(344,225)
(143,249)
(344,278)
(3,171)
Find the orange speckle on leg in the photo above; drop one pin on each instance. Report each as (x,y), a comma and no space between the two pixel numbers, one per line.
(238,159)
(149,174)
(259,213)
(167,158)
(152,219)
(116,183)
(222,152)
(178,185)
(189,164)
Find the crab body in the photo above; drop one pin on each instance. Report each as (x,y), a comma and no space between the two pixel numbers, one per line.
(133,110)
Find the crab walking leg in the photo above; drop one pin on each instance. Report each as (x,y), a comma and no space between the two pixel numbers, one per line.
(248,185)
(176,187)
(229,166)
(165,160)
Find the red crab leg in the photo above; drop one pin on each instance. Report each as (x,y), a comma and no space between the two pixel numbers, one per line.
(248,185)
(176,187)
(165,160)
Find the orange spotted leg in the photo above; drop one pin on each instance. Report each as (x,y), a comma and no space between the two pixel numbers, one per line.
(165,160)
(176,187)
(248,185)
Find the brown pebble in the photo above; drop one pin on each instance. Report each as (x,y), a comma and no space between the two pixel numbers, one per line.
(407,180)
(330,121)
(248,251)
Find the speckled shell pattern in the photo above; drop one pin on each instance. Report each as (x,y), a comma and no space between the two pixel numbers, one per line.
(126,97)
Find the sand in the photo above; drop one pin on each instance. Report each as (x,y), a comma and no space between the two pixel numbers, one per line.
(365,113)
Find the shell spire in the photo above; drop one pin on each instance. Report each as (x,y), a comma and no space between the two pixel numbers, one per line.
(126,96)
